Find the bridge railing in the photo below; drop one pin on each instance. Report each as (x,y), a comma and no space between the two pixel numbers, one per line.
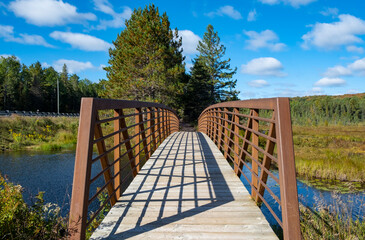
(256,137)
(125,134)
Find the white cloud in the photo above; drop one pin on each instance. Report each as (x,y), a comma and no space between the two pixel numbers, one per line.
(358,66)
(294,3)
(7,33)
(252,15)
(352,91)
(118,18)
(258,83)
(81,41)
(189,41)
(317,90)
(330,12)
(48,12)
(330,82)
(337,71)
(226,10)
(355,49)
(72,65)
(265,39)
(333,35)
(266,66)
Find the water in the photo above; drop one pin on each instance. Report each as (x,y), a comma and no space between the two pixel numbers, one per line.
(53,174)
(346,203)
(48,172)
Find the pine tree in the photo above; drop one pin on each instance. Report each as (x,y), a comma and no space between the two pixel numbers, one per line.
(197,94)
(147,60)
(211,53)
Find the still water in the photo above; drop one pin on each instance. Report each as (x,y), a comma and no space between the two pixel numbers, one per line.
(53,174)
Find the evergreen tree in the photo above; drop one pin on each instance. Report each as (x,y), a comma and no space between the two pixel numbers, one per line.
(220,73)
(197,94)
(147,62)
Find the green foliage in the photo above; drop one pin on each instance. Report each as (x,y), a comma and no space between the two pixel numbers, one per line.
(39,133)
(20,221)
(211,52)
(326,110)
(146,63)
(34,88)
(102,197)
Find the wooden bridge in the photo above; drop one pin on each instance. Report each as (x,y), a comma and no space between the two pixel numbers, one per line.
(166,184)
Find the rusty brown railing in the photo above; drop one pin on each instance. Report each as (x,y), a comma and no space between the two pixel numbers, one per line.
(118,130)
(257,135)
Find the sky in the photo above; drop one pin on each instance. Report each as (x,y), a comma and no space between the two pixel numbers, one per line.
(281,48)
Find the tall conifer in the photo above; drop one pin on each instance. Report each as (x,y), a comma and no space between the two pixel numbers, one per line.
(146,61)
(211,52)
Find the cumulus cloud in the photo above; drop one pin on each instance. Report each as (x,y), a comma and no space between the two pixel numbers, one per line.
(265,39)
(226,11)
(330,82)
(252,15)
(333,35)
(355,68)
(189,41)
(258,83)
(117,20)
(355,49)
(266,66)
(72,65)
(358,66)
(7,33)
(337,71)
(48,12)
(294,3)
(81,41)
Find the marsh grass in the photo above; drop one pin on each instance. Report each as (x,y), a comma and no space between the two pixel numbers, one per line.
(330,152)
(38,133)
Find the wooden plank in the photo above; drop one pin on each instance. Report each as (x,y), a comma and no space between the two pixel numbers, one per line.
(186,190)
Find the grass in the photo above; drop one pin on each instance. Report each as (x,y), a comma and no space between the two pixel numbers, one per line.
(38,133)
(326,224)
(330,152)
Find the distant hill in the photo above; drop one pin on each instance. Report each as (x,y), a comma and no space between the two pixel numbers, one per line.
(323,110)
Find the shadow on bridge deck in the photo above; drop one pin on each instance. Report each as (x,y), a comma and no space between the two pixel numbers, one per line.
(186,190)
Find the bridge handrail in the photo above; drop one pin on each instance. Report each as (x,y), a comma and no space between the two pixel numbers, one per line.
(236,128)
(139,127)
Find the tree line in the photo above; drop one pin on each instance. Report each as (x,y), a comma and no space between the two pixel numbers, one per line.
(33,87)
(324,110)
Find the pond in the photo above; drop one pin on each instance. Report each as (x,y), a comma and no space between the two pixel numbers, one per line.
(53,174)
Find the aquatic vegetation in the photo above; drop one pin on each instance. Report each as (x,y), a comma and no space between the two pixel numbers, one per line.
(332,152)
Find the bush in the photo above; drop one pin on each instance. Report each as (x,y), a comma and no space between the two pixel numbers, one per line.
(20,221)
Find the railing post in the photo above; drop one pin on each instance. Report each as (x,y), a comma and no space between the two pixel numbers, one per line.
(159,125)
(255,152)
(137,147)
(149,130)
(220,131)
(117,173)
(236,141)
(225,132)
(82,170)
(287,177)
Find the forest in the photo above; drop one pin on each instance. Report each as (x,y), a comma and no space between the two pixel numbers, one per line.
(32,88)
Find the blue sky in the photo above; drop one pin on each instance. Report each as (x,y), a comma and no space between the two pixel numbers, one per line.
(280,47)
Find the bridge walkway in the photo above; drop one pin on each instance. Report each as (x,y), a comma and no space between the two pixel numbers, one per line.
(186,190)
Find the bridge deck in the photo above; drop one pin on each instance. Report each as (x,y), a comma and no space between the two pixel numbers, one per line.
(186,190)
